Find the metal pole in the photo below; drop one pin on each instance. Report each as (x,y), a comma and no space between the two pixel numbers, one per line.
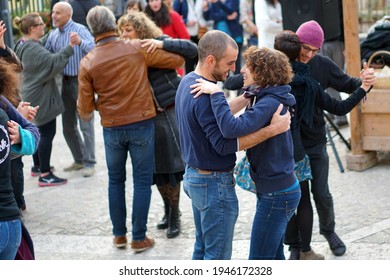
(6,17)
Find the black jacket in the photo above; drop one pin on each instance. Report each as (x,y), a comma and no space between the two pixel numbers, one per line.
(327,74)
(164,82)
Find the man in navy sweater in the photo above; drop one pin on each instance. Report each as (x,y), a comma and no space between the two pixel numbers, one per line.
(210,157)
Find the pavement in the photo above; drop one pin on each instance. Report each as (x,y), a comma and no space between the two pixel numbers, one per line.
(71,222)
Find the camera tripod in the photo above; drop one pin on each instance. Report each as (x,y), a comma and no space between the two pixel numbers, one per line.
(330,139)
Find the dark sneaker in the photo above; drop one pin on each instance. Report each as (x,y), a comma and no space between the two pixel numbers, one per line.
(295,254)
(120,241)
(143,245)
(336,245)
(51,180)
(36,171)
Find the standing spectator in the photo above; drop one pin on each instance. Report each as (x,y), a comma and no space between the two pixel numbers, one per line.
(268,20)
(170,22)
(135,5)
(127,112)
(83,152)
(169,166)
(39,88)
(209,156)
(226,17)
(81,9)
(192,13)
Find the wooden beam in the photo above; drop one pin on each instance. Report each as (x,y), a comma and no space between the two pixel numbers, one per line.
(353,66)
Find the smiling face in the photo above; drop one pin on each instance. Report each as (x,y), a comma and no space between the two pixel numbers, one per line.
(61,14)
(248,76)
(226,64)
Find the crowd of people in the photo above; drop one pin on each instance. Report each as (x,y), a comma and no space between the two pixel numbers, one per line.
(172,111)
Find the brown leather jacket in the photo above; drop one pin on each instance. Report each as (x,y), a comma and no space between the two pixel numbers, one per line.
(116,70)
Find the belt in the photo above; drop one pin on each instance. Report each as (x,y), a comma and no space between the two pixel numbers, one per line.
(69,77)
(208,172)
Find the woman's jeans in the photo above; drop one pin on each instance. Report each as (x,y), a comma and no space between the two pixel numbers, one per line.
(10,238)
(139,142)
(273,211)
(215,210)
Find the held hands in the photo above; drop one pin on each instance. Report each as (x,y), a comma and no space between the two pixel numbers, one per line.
(280,123)
(13,131)
(204,86)
(367,76)
(27,111)
(74,39)
(151,45)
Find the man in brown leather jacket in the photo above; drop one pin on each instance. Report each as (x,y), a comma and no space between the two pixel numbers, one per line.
(116,71)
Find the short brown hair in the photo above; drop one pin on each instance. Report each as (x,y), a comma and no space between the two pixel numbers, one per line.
(214,43)
(269,67)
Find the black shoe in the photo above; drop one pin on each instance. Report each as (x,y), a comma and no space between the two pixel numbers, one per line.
(36,171)
(51,180)
(336,245)
(295,254)
(163,224)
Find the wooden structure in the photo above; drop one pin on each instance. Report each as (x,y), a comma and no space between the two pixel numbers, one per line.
(369,121)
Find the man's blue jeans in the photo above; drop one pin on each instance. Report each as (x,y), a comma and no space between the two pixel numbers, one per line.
(139,142)
(215,209)
(273,211)
(10,238)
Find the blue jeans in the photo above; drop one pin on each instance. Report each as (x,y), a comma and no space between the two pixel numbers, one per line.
(10,238)
(139,142)
(273,211)
(215,210)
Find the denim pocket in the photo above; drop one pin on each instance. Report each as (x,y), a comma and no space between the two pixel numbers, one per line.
(198,194)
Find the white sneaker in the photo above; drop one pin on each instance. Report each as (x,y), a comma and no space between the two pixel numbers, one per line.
(88,171)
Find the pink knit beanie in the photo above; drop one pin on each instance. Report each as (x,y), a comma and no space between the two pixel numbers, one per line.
(311,33)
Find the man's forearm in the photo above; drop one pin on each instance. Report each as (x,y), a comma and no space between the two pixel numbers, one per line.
(238,103)
(250,140)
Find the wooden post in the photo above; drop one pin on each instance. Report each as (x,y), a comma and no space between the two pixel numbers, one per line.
(359,159)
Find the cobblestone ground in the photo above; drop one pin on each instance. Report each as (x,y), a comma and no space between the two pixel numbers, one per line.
(72,221)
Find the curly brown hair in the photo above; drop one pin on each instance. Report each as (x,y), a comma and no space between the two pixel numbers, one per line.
(143,25)
(268,67)
(9,82)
